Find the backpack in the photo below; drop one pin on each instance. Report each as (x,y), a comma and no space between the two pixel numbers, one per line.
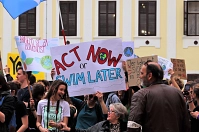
(12,122)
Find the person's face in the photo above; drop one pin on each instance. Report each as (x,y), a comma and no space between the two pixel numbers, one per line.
(112,115)
(144,77)
(20,76)
(91,98)
(60,92)
(191,92)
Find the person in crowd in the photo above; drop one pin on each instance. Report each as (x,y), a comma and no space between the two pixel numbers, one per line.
(45,83)
(158,107)
(54,108)
(38,92)
(114,122)
(175,81)
(7,103)
(7,73)
(23,78)
(194,120)
(90,111)
(112,98)
(32,79)
(21,115)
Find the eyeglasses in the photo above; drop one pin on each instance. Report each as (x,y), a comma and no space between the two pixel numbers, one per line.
(111,111)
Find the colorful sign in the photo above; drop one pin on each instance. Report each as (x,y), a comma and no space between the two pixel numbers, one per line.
(14,61)
(134,67)
(35,53)
(166,65)
(128,50)
(90,66)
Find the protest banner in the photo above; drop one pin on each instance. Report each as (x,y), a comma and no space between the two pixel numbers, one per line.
(179,68)
(35,53)
(128,50)
(1,67)
(90,66)
(134,66)
(166,65)
(14,61)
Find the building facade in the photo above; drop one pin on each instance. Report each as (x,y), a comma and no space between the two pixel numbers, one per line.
(168,28)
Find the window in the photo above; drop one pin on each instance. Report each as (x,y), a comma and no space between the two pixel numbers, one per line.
(147,18)
(107,18)
(27,23)
(191,18)
(69,18)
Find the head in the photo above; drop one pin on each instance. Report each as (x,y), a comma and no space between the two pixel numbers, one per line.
(91,98)
(3,84)
(32,79)
(151,72)
(45,83)
(58,90)
(196,91)
(178,81)
(117,112)
(22,76)
(38,91)
(15,86)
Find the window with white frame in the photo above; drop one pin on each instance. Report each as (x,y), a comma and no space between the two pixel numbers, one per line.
(27,23)
(191,18)
(69,17)
(147,18)
(107,18)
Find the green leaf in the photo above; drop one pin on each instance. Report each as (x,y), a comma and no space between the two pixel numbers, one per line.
(29,61)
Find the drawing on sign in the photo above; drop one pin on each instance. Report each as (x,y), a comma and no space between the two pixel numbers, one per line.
(128,51)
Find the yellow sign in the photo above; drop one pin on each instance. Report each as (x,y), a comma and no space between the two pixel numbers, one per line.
(14,61)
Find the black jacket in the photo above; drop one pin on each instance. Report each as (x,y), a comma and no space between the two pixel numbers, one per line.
(7,108)
(102,126)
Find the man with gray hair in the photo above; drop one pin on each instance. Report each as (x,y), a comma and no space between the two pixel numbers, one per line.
(158,107)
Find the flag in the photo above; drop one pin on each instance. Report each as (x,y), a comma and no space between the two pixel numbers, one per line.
(18,7)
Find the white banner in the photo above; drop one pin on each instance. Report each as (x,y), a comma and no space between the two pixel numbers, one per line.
(166,65)
(90,66)
(35,53)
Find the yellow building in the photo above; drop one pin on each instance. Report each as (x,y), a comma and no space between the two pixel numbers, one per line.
(155,26)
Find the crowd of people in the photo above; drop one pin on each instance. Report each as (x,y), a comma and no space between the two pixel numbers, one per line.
(157,105)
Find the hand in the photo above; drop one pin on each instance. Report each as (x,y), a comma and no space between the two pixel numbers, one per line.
(99,96)
(52,73)
(171,72)
(52,123)
(7,70)
(194,114)
(124,65)
(43,129)
(65,127)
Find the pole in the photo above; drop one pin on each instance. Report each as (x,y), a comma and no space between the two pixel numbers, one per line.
(62,25)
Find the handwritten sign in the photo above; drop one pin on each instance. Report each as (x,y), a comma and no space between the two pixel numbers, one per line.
(90,66)
(179,68)
(134,67)
(14,62)
(128,50)
(166,65)
(35,53)
(1,67)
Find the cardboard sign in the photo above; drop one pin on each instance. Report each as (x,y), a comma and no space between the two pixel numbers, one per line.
(179,68)
(134,67)
(35,53)
(14,62)
(90,66)
(1,67)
